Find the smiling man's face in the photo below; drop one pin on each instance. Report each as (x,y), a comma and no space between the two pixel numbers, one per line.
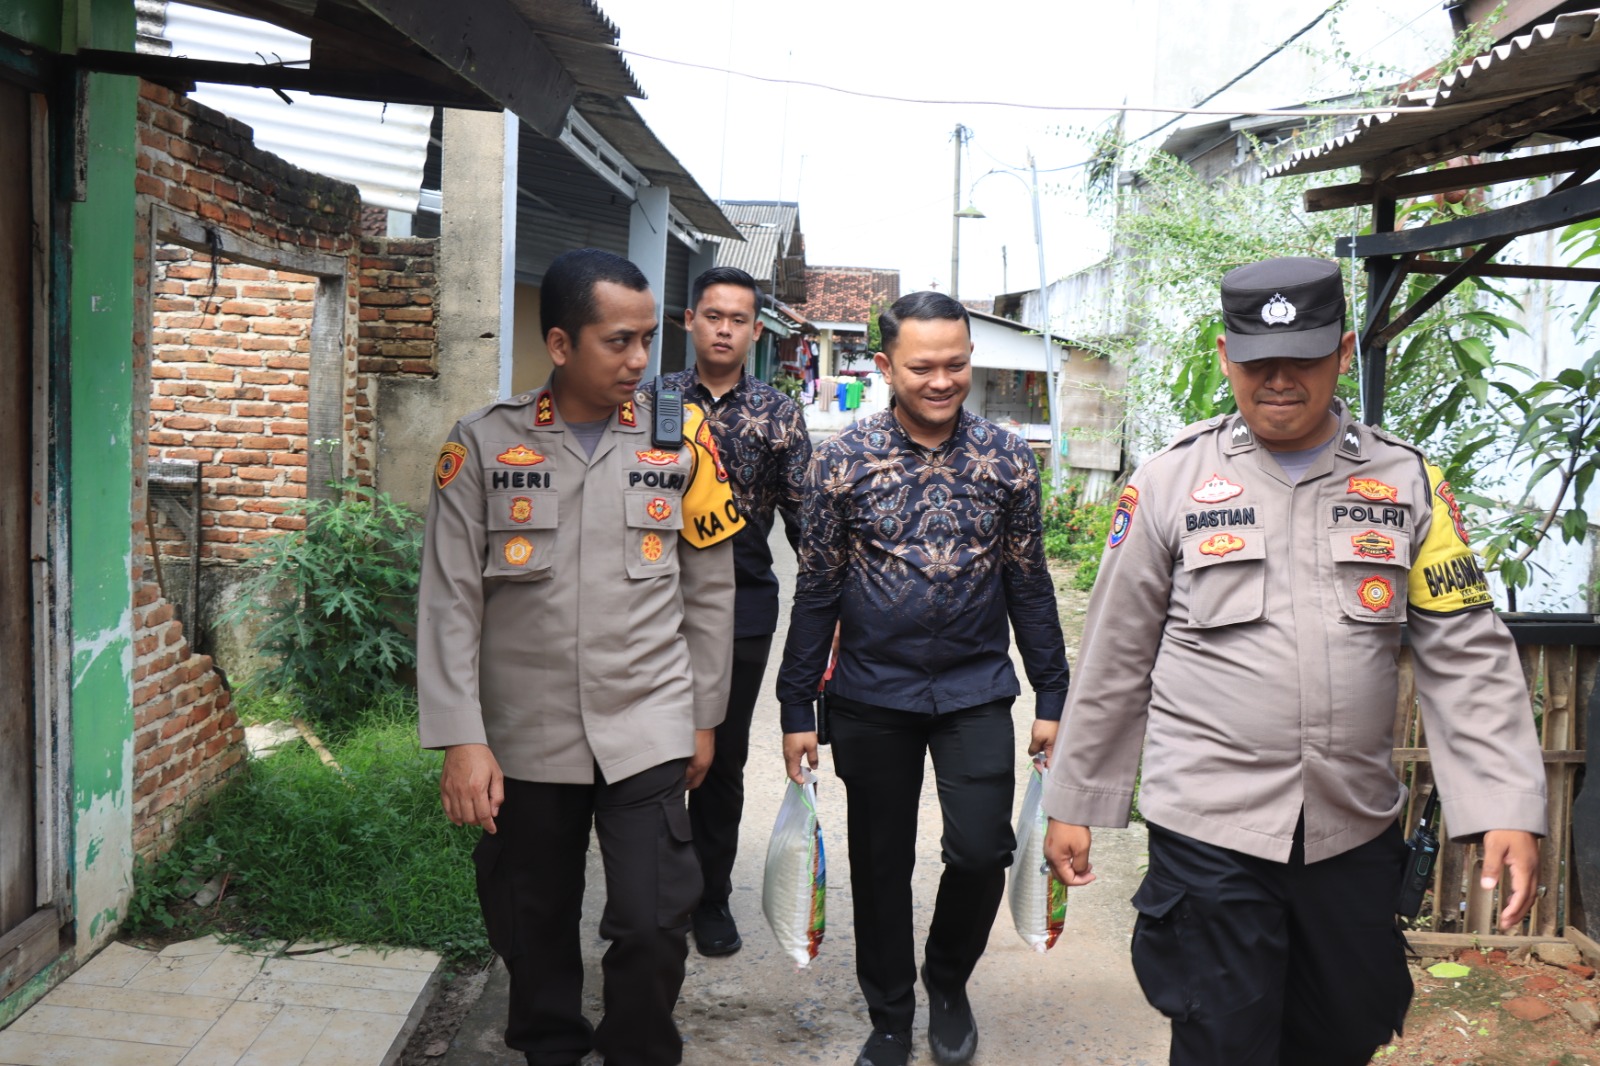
(1286,402)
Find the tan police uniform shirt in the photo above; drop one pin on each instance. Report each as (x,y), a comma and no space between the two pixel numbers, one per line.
(575,609)
(1245,631)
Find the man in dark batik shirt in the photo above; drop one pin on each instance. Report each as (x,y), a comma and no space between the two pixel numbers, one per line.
(921,539)
(762,438)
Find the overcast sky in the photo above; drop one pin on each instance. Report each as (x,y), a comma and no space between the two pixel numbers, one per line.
(874,179)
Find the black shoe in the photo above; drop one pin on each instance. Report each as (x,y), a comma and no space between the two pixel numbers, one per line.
(714,930)
(952,1030)
(885,1049)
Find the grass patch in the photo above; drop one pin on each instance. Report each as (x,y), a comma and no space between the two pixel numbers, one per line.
(363,854)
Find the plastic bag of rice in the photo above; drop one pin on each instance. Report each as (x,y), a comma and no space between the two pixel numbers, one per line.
(795,885)
(1038,898)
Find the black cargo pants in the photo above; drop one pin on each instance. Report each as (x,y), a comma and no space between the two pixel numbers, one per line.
(530,885)
(1263,963)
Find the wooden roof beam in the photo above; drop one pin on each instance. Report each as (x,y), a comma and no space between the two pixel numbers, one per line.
(1562,208)
(1451,179)
(183,74)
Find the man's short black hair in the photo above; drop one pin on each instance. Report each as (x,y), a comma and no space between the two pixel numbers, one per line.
(920,306)
(723,275)
(566,298)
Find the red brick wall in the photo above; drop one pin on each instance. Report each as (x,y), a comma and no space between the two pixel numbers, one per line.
(221,377)
(230,366)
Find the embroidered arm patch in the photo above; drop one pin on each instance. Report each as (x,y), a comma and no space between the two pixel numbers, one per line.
(1446,577)
(709,514)
(451,457)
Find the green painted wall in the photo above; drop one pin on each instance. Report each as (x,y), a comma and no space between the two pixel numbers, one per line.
(100,507)
(35,21)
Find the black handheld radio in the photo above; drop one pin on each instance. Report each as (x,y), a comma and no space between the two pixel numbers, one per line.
(1422,851)
(666,426)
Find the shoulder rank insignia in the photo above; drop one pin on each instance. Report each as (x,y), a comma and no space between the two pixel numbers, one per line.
(657,457)
(1216,489)
(1350,442)
(518,551)
(1122,517)
(544,409)
(1375,593)
(1372,489)
(625,415)
(519,455)
(451,456)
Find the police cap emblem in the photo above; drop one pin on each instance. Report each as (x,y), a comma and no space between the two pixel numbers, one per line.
(1277,311)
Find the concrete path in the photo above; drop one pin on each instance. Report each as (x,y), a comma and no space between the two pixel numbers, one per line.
(1079,1005)
(205,1003)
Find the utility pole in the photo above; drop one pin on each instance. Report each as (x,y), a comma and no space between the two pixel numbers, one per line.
(960,137)
(1049,345)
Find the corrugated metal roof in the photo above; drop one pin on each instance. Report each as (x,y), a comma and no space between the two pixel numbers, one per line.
(763,224)
(1557,57)
(571,30)
(376,147)
(771,232)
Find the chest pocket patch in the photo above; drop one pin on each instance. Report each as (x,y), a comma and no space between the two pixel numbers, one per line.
(1227,572)
(650,542)
(521,534)
(1369,572)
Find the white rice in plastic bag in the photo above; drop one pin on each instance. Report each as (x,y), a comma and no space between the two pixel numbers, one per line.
(795,884)
(1038,898)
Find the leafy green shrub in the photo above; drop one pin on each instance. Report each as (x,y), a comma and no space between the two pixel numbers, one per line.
(362,854)
(340,636)
(1075,531)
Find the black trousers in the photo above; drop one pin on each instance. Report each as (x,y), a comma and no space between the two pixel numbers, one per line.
(1263,963)
(530,885)
(717,805)
(879,755)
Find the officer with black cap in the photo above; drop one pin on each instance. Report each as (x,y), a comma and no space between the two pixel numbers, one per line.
(1244,633)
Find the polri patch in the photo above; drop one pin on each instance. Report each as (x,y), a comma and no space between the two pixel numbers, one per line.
(1216,489)
(658,509)
(658,457)
(625,415)
(544,410)
(519,455)
(1372,489)
(1220,544)
(1373,545)
(651,548)
(1122,517)
(1375,593)
(521,509)
(1444,493)
(518,551)
(451,458)
(703,438)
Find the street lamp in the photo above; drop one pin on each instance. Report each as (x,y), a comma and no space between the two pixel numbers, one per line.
(1044,297)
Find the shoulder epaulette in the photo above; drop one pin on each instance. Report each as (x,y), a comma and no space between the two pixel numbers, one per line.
(521,399)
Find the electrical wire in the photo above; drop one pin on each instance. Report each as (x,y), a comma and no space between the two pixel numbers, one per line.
(1251,69)
(1299,112)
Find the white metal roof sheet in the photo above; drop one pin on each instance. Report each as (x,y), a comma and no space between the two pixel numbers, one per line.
(1552,57)
(379,148)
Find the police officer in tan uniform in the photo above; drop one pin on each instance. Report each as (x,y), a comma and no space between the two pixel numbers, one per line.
(1244,632)
(573,661)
